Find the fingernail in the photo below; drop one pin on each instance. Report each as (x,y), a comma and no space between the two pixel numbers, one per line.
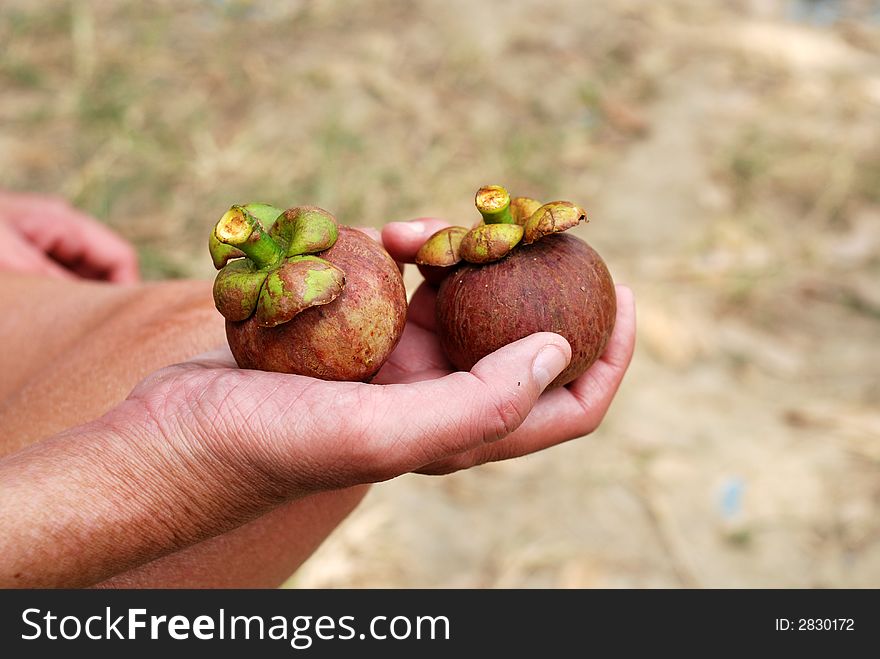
(415,226)
(549,362)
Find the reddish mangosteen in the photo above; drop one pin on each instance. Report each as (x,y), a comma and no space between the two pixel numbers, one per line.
(515,274)
(303,295)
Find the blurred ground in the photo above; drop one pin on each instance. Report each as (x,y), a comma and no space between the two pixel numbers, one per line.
(728,155)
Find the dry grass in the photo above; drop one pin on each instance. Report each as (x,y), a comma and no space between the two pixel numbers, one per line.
(156,117)
(730,161)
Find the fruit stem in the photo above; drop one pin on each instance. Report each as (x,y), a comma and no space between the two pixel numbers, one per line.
(240,229)
(493,202)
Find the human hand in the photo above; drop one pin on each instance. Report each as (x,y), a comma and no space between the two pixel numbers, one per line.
(559,415)
(202,447)
(442,421)
(46,236)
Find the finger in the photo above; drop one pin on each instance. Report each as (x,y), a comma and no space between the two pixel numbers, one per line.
(418,356)
(78,241)
(126,269)
(419,376)
(369,433)
(101,252)
(220,357)
(456,413)
(84,269)
(403,239)
(38,263)
(421,309)
(595,389)
(568,412)
(22,257)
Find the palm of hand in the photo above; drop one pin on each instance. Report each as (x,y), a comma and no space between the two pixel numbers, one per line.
(417,415)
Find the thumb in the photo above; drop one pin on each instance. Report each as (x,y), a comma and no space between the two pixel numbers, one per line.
(427,421)
(403,239)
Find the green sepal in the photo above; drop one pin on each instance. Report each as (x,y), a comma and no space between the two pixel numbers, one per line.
(490,242)
(299,283)
(267,214)
(555,217)
(522,208)
(237,289)
(305,230)
(442,248)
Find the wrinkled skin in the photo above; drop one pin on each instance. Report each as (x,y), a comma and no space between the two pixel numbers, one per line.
(558,284)
(349,338)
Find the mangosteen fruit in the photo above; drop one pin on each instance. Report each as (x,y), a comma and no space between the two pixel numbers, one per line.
(303,295)
(515,274)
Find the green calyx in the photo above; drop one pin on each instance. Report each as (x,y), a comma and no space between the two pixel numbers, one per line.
(522,208)
(305,230)
(299,283)
(266,265)
(506,223)
(442,248)
(490,242)
(555,217)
